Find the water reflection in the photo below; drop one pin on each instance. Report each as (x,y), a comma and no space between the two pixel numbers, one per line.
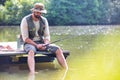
(45,75)
(94,55)
(31,76)
(45,71)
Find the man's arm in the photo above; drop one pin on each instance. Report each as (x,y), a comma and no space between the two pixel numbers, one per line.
(38,46)
(46,41)
(29,41)
(46,32)
(24,32)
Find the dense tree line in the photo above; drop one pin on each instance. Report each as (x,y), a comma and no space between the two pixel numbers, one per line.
(63,12)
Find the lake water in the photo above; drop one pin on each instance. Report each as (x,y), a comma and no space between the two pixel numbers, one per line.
(94,55)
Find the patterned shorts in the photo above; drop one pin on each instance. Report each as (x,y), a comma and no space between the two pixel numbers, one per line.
(49,48)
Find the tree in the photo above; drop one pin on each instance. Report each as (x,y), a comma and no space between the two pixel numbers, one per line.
(115,12)
(2,2)
(77,12)
(64,12)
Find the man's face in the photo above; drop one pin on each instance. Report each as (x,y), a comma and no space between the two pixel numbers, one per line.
(37,15)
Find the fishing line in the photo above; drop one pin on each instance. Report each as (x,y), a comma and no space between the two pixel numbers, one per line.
(61,39)
(72,36)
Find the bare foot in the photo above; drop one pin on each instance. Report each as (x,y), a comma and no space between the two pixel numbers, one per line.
(32,73)
(65,68)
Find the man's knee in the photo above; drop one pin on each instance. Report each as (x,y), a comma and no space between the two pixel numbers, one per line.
(52,49)
(59,50)
(29,48)
(31,53)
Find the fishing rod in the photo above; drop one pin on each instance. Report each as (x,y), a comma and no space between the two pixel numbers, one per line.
(68,37)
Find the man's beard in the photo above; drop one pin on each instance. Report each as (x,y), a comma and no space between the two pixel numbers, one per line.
(36,16)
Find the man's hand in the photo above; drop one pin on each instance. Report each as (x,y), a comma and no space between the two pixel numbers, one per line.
(41,46)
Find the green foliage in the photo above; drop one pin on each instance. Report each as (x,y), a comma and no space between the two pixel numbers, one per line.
(2,14)
(2,2)
(16,11)
(76,12)
(64,12)
(115,12)
(58,12)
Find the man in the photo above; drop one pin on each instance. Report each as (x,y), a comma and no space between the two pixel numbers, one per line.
(35,34)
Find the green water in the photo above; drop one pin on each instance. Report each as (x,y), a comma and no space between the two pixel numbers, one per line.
(94,55)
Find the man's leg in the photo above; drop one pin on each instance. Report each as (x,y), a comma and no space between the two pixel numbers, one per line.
(31,61)
(61,59)
(59,55)
(30,49)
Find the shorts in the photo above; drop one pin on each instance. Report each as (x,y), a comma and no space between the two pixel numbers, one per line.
(49,48)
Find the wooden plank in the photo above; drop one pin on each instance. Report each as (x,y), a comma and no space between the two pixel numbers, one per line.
(13,56)
(23,59)
(17,52)
(22,52)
